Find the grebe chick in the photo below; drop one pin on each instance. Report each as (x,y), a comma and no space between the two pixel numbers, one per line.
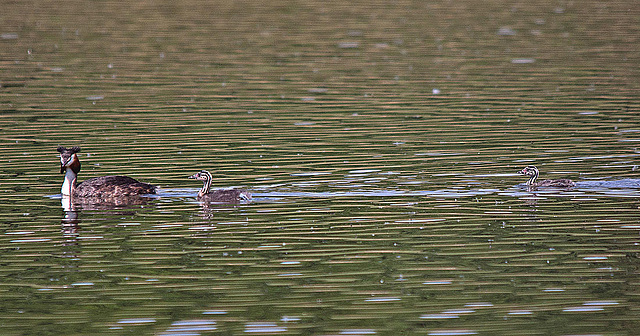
(533,173)
(219,195)
(105,187)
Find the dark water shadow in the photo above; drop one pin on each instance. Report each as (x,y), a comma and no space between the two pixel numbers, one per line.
(123,203)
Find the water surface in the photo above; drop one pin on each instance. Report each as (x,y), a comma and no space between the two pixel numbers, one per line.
(380,140)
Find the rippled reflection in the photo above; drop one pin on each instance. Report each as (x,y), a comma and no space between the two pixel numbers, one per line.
(380,139)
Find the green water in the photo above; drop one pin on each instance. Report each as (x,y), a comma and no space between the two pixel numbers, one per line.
(380,141)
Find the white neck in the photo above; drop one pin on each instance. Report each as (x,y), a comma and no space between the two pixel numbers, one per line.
(533,178)
(69,182)
(206,187)
(65,201)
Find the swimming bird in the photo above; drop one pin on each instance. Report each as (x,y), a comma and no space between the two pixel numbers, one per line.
(105,187)
(533,173)
(219,195)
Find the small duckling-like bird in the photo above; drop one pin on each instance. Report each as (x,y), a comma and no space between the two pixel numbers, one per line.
(105,187)
(533,173)
(219,195)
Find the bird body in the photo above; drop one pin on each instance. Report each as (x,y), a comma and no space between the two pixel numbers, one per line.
(99,187)
(106,186)
(219,195)
(533,174)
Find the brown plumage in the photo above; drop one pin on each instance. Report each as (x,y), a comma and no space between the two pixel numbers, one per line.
(108,186)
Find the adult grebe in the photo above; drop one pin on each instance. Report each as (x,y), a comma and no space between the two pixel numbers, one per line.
(533,173)
(219,195)
(105,187)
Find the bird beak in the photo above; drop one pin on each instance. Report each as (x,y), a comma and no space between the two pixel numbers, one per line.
(522,172)
(193,176)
